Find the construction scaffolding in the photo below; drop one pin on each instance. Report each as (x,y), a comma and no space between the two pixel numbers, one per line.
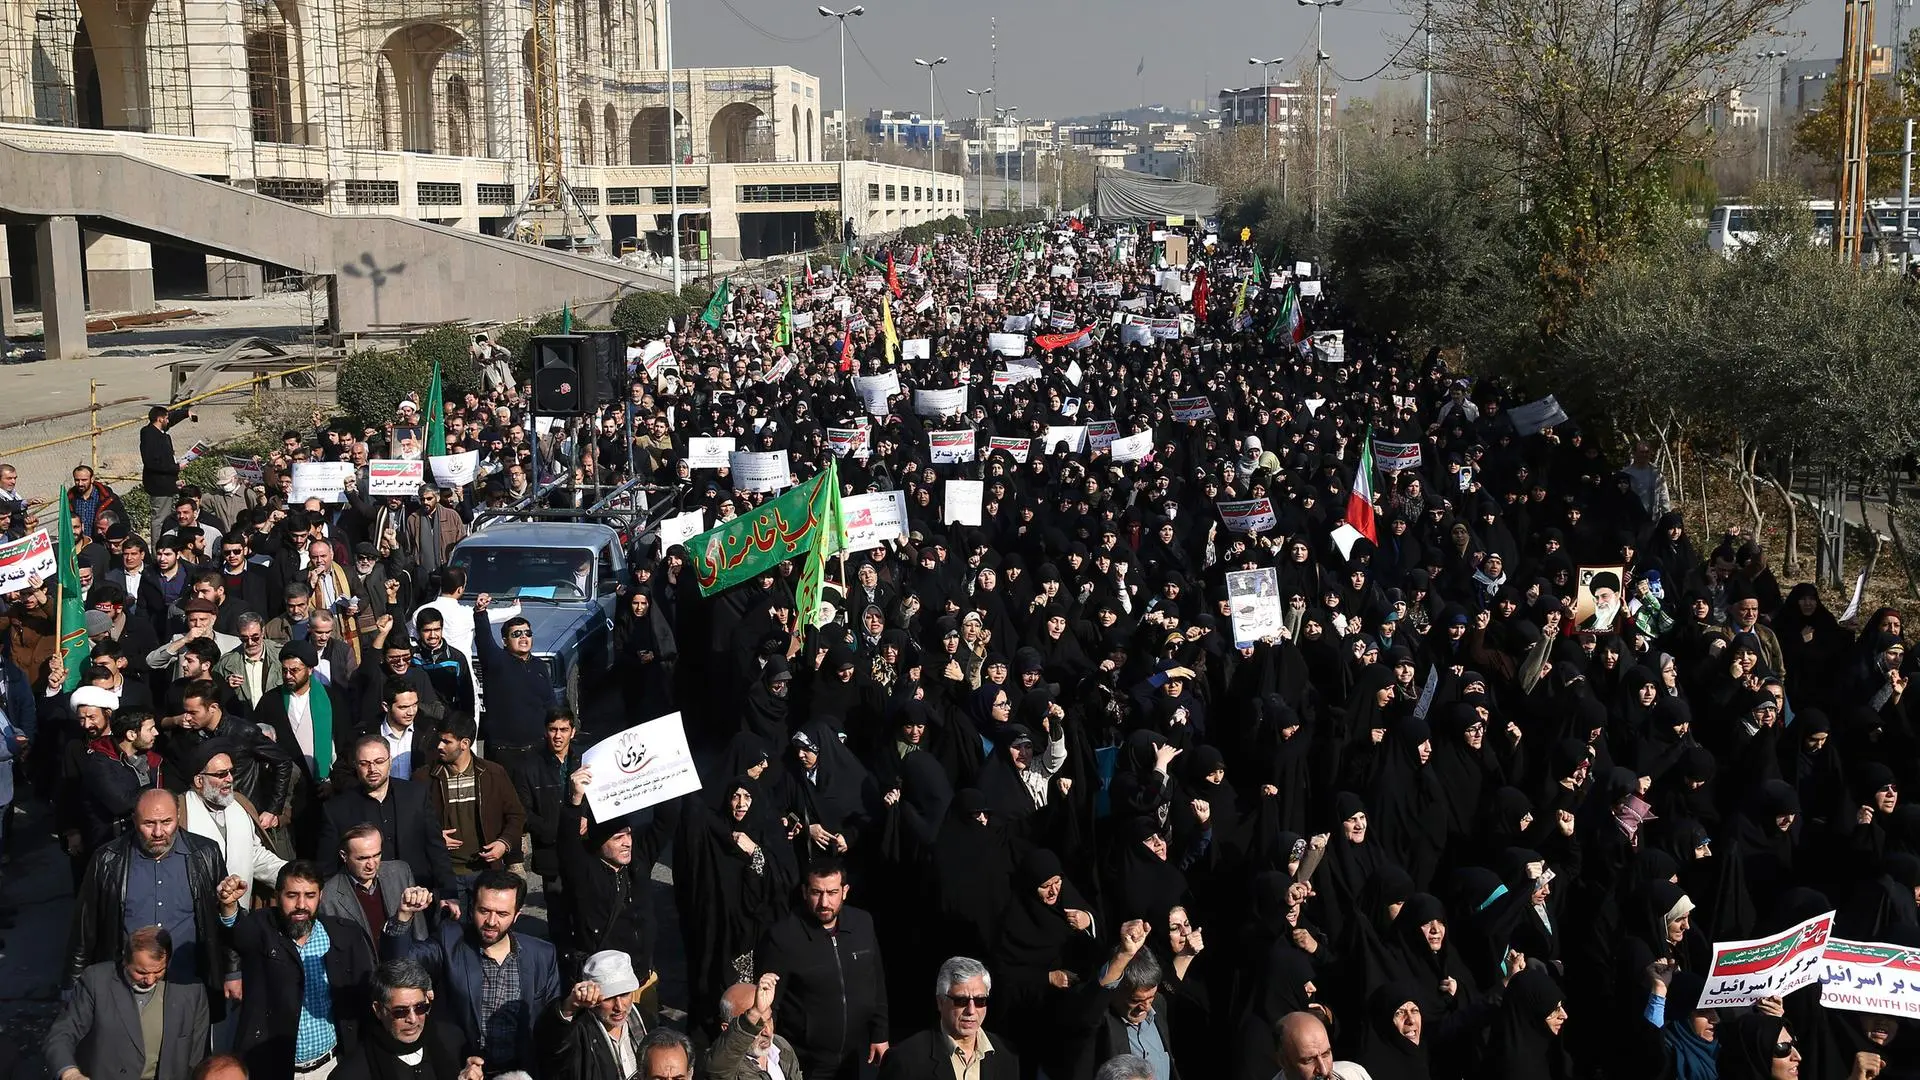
(117,65)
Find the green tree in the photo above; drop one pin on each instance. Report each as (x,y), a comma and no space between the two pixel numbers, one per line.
(1818,135)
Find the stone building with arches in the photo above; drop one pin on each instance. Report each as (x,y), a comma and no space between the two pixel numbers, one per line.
(424,109)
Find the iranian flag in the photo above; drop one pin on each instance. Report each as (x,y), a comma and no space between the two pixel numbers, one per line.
(1296,326)
(1360,499)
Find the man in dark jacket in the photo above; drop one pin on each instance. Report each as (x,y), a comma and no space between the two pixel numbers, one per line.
(449,669)
(541,784)
(118,767)
(402,1039)
(263,771)
(302,983)
(159,471)
(401,808)
(574,1046)
(467,959)
(608,870)
(1120,1009)
(961,1042)
(833,990)
(158,875)
(519,688)
(479,811)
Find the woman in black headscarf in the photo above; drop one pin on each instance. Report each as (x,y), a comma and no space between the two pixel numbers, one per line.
(825,793)
(1146,883)
(733,874)
(1393,1033)
(645,653)
(1525,1042)
(1757,1046)
(1046,932)
(765,712)
(1278,983)
(972,874)
(1352,859)
(1465,769)
(1409,806)
(1812,644)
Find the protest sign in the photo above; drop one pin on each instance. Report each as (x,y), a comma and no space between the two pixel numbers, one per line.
(962,501)
(939,402)
(454,470)
(323,480)
(247,470)
(680,528)
(916,348)
(1192,408)
(1330,346)
(767,471)
(1059,435)
(708,453)
(1017,324)
(1133,333)
(1166,329)
(1253,601)
(951,447)
(1247,515)
(876,390)
(1101,433)
(387,476)
(1017,449)
(844,441)
(986,290)
(640,767)
(874,518)
(1133,447)
(1008,344)
(1532,417)
(1344,537)
(1597,597)
(1395,457)
(1074,374)
(30,556)
(1303,269)
(1309,288)
(1743,972)
(1861,976)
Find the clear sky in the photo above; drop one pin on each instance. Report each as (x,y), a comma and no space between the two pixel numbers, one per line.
(1073,57)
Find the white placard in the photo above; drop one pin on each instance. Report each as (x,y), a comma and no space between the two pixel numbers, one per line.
(766,471)
(323,480)
(951,447)
(1193,408)
(1253,599)
(962,501)
(802,320)
(1303,269)
(1133,333)
(939,402)
(1074,374)
(1309,288)
(680,528)
(640,767)
(1102,433)
(705,452)
(392,476)
(874,518)
(1395,457)
(1313,405)
(916,348)
(1344,537)
(28,557)
(455,470)
(1008,344)
(844,441)
(1017,324)
(876,390)
(1743,972)
(1017,449)
(1075,438)
(1133,447)
(1534,416)
(1863,976)
(1247,515)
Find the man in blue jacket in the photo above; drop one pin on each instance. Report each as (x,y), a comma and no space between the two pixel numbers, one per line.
(495,981)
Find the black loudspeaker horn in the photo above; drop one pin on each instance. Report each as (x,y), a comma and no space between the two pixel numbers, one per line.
(559,385)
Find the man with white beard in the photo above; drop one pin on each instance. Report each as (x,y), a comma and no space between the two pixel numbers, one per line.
(211,808)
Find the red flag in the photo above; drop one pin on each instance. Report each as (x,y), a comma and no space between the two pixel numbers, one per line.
(893,282)
(846,352)
(1200,295)
(1050,342)
(1077,225)
(809,273)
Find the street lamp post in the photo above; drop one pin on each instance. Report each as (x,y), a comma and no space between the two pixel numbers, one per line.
(979,99)
(1020,160)
(855,10)
(1764,56)
(933,150)
(1319,100)
(1266,106)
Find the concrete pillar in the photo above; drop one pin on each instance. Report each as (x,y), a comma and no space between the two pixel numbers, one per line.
(499,55)
(222,101)
(119,273)
(232,280)
(6,287)
(63,303)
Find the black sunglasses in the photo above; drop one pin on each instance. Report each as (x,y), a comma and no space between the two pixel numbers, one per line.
(1785,1049)
(961,1001)
(399,1012)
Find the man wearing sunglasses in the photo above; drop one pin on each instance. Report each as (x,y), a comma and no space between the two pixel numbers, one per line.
(213,809)
(961,1048)
(403,1041)
(519,686)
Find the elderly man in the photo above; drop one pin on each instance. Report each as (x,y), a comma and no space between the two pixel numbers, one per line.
(405,1042)
(296,617)
(302,982)
(748,1048)
(158,875)
(249,671)
(497,982)
(264,773)
(200,615)
(213,808)
(1304,1052)
(125,1019)
(369,888)
(605,1045)
(961,1046)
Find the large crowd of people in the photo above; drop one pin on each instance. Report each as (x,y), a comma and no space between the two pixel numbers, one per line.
(1477,806)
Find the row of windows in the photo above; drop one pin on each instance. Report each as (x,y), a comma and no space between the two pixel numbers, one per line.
(766,193)
(903,193)
(307,192)
(655,196)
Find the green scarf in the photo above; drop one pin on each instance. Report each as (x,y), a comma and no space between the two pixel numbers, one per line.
(321,704)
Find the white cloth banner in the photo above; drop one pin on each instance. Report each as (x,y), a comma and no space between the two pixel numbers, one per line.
(640,767)
(1309,288)
(1247,515)
(1253,603)
(939,402)
(705,452)
(1008,344)
(1534,416)
(951,447)
(875,390)
(1133,447)
(386,476)
(28,557)
(962,501)
(766,471)
(323,480)
(874,518)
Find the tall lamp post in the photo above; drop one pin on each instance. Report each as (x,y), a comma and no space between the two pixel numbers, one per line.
(933,148)
(980,99)
(1020,161)
(1766,56)
(855,10)
(1266,105)
(1319,99)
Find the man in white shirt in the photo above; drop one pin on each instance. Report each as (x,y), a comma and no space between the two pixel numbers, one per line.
(612,1033)
(396,726)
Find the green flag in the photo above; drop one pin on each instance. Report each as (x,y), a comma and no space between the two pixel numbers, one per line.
(832,539)
(752,544)
(436,416)
(74,646)
(566,318)
(783,334)
(717,307)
